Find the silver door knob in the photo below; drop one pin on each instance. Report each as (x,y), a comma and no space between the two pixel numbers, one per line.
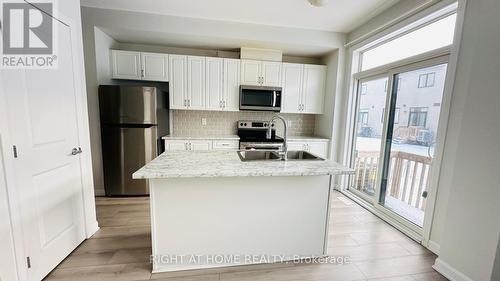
(76,151)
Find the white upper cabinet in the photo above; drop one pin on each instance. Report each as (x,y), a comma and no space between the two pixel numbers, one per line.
(250,72)
(126,65)
(214,83)
(187,82)
(260,73)
(196,82)
(292,87)
(303,88)
(222,84)
(139,66)
(154,66)
(231,79)
(178,82)
(314,89)
(271,73)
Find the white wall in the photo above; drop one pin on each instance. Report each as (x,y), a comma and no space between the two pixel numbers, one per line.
(97,71)
(391,16)
(470,164)
(329,124)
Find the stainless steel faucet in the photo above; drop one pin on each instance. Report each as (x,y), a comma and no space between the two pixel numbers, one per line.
(284,152)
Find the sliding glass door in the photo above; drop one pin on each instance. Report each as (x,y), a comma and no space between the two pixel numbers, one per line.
(412,131)
(367,145)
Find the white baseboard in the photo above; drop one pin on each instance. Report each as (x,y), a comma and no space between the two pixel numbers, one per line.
(449,272)
(99,192)
(433,247)
(92,229)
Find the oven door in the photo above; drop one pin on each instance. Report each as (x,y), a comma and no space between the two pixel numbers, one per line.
(260,98)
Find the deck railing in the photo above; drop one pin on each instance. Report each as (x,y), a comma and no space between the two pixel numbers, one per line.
(408,176)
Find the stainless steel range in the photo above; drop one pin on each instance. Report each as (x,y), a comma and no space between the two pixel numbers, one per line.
(253,136)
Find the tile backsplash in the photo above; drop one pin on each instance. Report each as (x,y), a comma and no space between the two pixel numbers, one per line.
(189,122)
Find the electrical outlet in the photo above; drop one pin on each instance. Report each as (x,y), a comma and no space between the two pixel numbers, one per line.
(289,123)
(204,121)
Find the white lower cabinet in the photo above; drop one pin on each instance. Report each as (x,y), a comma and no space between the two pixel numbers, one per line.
(319,148)
(200,145)
(226,145)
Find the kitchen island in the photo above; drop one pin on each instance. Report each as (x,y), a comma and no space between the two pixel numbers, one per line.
(211,209)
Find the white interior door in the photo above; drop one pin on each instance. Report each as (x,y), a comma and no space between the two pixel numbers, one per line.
(43,125)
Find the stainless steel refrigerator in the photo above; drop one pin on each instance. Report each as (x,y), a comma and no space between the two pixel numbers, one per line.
(133,120)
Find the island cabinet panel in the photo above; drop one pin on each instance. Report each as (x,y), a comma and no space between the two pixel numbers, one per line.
(262,216)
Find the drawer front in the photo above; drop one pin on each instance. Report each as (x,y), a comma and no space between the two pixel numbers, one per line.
(226,145)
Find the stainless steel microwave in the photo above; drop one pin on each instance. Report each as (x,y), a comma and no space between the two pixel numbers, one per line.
(260,98)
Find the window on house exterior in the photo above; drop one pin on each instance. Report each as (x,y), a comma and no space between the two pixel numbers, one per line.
(418,117)
(396,116)
(363,117)
(426,80)
(364,89)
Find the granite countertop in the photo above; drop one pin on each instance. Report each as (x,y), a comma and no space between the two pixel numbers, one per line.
(223,137)
(194,164)
(307,138)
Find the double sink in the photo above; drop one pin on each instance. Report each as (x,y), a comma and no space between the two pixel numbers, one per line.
(259,155)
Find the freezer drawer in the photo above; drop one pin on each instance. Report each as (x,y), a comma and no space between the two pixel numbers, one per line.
(125,150)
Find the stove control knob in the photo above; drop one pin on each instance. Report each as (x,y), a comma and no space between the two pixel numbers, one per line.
(272,125)
(241,124)
(245,124)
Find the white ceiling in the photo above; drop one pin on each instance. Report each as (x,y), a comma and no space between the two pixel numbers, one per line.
(338,15)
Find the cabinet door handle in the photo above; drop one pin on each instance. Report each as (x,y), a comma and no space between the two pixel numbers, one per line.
(189,103)
(224,104)
(190,146)
(142,73)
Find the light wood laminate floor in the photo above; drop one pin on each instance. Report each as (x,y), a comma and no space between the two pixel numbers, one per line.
(120,251)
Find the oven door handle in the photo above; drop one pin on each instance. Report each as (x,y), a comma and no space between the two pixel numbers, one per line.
(274,98)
